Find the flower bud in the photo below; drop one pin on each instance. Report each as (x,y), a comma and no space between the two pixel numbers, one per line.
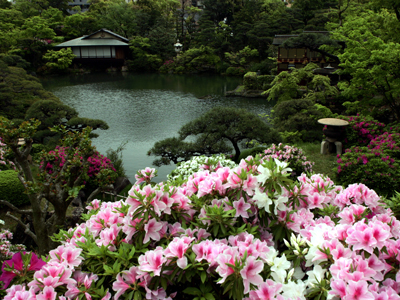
(305,251)
(290,274)
(296,252)
(293,239)
(286,243)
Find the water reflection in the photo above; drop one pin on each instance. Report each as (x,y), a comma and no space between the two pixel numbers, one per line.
(145,108)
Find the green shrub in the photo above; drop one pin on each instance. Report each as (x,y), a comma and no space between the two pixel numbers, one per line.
(252,151)
(222,67)
(264,81)
(11,188)
(373,167)
(298,115)
(394,204)
(235,71)
(250,81)
(264,67)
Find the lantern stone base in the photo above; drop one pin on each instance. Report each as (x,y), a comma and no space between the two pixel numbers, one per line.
(327,146)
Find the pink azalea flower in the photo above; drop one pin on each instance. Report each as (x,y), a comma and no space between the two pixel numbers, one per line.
(250,184)
(358,290)
(152,229)
(267,290)
(241,208)
(16,263)
(338,287)
(362,240)
(124,281)
(223,269)
(177,248)
(250,273)
(152,261)
(47,294)
(71,256)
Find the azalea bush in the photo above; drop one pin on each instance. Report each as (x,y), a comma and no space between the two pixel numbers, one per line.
(376,165)
(200,163)
(98,164)
(294,156)
(247,232)
(361,130)
(7,249)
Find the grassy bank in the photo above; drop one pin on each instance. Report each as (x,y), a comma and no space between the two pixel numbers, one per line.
(323,164)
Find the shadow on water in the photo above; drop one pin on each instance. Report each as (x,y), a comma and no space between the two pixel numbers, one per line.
(145,108)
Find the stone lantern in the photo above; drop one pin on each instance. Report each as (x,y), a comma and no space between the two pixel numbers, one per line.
(334,133)
(178,47)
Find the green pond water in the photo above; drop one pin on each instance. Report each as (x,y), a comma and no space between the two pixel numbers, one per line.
(145,108)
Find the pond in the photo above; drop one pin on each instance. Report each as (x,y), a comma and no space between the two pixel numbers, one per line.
(145,108)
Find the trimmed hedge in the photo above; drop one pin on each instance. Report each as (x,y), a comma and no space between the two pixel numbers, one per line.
(11,188)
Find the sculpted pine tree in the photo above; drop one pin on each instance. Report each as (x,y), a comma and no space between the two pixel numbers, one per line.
(54,113)
(58,186)
(217,131)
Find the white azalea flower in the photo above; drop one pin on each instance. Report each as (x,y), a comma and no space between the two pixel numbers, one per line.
(316,241)
(280,204)
(264,175)
(293,290)
(263,201)
(271,255)
(282,165)
(280,265)
(298,273)
(315,275)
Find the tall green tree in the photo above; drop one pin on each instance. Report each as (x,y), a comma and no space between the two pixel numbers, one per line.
(119,17)
(371,58)
(79,24)
(306,9)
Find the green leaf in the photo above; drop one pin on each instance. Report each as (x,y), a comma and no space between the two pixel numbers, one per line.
(192,291)
(164,283)
(138,295)
(209,296)
(203,276)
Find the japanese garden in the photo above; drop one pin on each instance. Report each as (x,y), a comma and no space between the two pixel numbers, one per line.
(214,149)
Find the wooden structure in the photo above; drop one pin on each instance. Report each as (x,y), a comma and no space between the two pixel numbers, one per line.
(101,48)
(298,57)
